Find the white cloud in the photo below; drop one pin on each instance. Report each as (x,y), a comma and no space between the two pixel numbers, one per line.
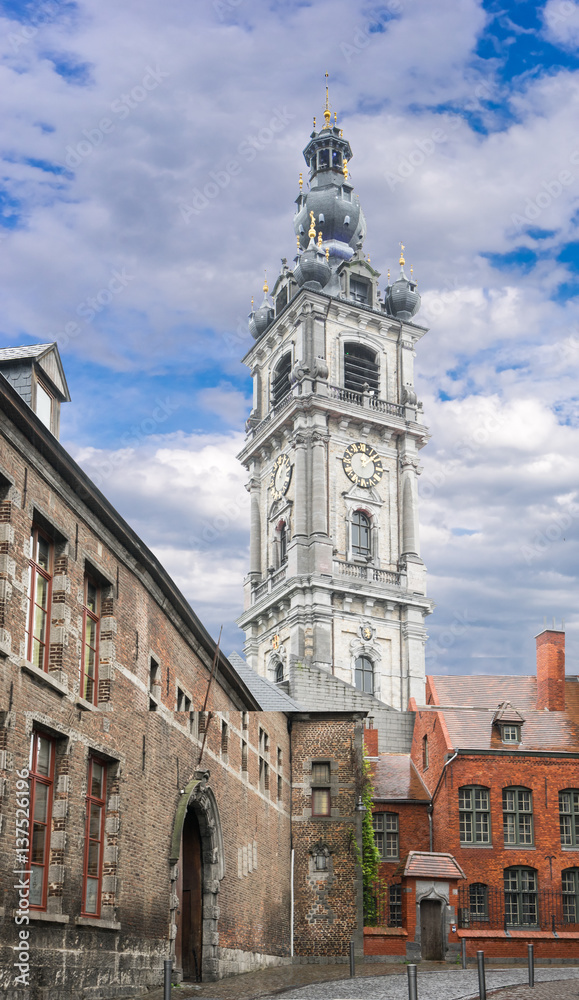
(561,18)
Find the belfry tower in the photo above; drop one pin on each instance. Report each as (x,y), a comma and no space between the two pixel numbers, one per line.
(335,579)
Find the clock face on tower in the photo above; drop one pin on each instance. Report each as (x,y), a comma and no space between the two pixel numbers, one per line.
(362,465)
(280,477)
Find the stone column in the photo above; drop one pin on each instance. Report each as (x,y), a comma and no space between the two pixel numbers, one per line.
(410,544)
(301,488)
(255,527)
(319,492)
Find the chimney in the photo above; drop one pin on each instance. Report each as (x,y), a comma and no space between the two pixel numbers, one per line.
(371,739)
(551,670)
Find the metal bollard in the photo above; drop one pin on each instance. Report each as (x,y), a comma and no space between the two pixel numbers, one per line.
(480,961)
(463,952)
(412,984)
(352,960)
(531,952)
(167,980)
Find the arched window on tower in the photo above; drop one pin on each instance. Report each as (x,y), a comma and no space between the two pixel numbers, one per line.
(365,675)
(282,540)
(280,384)
(279,673)
(361,534)
(360,368)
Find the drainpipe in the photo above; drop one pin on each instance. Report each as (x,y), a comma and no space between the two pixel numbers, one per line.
(292,903)
(431,806)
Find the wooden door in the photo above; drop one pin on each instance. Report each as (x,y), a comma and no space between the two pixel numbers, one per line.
(192,900)
(431,943)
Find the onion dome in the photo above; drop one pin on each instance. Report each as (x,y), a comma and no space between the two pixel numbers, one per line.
(260,319)
(331,195)
(401,299)
(313,269)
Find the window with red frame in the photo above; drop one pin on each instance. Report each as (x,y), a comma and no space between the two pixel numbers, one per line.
(90,641)
(39,591)
(321,797)
(94,834)
(41,794)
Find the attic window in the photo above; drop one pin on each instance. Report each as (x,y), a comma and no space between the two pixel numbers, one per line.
(44,402)
(359,291)
(511,734)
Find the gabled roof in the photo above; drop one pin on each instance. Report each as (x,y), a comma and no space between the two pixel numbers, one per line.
(395,778)
(425,864)
(46,356)
(468,706)
(271,698)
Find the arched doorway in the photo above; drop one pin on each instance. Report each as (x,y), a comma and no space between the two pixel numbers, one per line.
(431,936)
(189,941)
(197,867)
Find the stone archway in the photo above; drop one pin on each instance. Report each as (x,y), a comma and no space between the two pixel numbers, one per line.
(197,798)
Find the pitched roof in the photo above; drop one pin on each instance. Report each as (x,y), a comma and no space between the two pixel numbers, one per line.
(395,777)
(270,697)
(430,865)
(469,704)
(506,713)
(48,358)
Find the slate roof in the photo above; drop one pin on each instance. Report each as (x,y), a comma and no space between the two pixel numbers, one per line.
(47,357)
(30,351)
(468,705)
(270,697)
(423,864)
(395,778)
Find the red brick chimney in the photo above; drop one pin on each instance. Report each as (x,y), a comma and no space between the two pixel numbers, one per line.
(371,741)
(551,670)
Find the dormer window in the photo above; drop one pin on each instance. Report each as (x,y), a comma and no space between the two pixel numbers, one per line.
(508,722)
(359,291)
(44,405)
(511,734)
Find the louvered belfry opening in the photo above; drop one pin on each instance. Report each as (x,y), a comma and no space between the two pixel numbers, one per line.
(280,383)
(360,368)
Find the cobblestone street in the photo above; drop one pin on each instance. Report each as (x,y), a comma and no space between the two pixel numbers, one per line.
(378,981)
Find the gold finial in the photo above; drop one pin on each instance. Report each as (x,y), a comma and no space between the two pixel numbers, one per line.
(301,181)
(368,259)
(320,239)
(327,112)
(298,239)
(411,270)
(327,254)
(265,285)
(252,303)
(335,117)
(314,123)
(402,261)
(341,133)
(388,275)
(312,230)
(345,168)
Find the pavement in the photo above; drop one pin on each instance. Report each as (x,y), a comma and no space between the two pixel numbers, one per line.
(381,981)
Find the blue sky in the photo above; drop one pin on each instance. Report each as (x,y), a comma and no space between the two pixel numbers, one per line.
(463,119)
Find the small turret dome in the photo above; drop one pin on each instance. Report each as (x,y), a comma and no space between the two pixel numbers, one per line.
(260,319)
(402,299)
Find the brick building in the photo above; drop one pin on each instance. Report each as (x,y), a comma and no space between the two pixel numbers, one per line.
(140,820)
(499,760)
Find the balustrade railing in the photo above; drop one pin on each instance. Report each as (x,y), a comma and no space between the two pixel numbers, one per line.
(360,572)
(273,580)
(482,907)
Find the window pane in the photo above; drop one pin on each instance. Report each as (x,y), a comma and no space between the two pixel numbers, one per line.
(43,404)
(43,755)
(91,597)
(41,596)
(91,904)
(321,773)
(43,553)
(36,880)
(321,801)
(378,821)
(93,858)
(95,821)
(97,780)
(38,844)
(41,802)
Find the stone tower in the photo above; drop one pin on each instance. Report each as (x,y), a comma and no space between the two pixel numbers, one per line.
(335,579)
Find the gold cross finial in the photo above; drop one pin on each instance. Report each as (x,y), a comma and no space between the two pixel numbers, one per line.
(345,168)
(312,230)
(327,112)
(252,303)
(314,123)
(265,285)
(301,181)
(402,261)
(388,275)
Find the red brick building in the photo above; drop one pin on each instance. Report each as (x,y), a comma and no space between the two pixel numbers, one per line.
(499,757)
(140,821)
